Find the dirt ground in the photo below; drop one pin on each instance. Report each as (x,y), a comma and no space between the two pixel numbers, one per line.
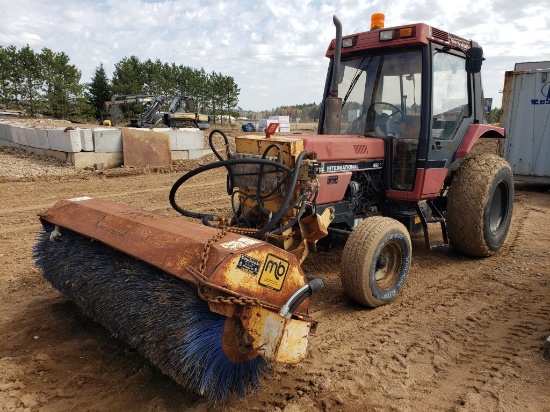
(465,335)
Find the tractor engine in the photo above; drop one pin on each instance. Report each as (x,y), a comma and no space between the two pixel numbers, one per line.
(290,189)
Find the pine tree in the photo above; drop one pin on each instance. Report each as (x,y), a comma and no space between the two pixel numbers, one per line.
(60,84)
(99,90)
(128,77)
(31,77)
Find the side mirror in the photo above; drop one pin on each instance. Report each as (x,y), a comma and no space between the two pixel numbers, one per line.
(474,59)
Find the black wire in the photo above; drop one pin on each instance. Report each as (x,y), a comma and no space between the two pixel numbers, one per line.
(210,136)
(259,197)
(229,184)
(296,218)
(205,217)
(289,193)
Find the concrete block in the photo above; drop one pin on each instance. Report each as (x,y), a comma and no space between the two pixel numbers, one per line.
(32,137)
(197,154)
(38,138)
(19,135)
(107,140)
(7,143)
(65,140)
(172,135)
(58,155)
(86,140)
(5,132)
(546,348)
(89,159)
(180,155)
(184,139)
(35,150)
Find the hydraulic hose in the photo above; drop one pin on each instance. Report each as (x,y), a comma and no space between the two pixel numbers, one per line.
(299,296)
(207,218)
(226,140)
(230,183)
(290,191)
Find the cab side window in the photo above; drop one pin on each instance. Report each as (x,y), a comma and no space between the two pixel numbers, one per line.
(450,94)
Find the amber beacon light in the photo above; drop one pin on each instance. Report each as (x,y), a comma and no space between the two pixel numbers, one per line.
(377,21)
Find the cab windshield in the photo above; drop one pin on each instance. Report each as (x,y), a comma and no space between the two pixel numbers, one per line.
(381,94)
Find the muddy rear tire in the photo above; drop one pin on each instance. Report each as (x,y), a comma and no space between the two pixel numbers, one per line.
(479,205)
(376,261)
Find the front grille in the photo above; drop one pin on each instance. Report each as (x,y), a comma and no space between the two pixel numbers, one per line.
(361,149)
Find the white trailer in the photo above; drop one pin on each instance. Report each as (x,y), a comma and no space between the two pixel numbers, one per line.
(526,119)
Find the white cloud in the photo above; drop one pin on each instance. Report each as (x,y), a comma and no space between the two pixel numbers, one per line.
(274,49)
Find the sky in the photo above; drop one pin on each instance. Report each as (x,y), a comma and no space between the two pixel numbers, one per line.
(275,50)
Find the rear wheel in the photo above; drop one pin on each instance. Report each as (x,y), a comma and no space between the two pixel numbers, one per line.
(376,261)
(479,205)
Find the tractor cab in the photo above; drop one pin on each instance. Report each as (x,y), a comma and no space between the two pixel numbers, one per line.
(416,88)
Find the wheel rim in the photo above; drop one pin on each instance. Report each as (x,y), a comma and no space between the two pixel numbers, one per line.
(388,265)
(499,208)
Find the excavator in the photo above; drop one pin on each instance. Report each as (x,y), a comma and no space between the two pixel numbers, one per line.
(181,112)
(213,299)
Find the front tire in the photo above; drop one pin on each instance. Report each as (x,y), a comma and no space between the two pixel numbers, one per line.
(376,261)
(479,205)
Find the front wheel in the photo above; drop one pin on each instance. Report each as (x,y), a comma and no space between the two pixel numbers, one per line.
(479,205)
(376,261)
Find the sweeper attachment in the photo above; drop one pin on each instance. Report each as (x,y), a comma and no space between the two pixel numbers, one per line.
(206,306)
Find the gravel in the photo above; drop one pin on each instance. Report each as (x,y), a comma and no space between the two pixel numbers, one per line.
(17,165)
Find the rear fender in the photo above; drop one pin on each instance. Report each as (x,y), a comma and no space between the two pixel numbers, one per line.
(474,132)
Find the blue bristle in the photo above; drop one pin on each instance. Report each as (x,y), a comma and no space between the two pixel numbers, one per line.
(159,315)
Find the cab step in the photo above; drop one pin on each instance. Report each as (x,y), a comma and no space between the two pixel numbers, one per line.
(436,217)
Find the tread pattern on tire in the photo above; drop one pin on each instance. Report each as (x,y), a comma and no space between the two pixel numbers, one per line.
(362,243)
(467,199)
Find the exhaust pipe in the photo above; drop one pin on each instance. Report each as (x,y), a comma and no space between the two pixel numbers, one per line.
(333,103)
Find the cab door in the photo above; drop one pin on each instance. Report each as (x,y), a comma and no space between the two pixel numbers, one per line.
(451,106)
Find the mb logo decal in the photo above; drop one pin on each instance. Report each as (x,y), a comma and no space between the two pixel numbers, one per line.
(274,272)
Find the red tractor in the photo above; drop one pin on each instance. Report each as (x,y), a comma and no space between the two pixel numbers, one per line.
(402,108)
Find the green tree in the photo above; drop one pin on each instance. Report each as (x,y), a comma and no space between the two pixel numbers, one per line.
(29,67)
(215,92)
(152,75)
(99,90)
(13,78)
(127,78)
(230,95)
(61,83)
(6,79)
(198,88)
(494,116)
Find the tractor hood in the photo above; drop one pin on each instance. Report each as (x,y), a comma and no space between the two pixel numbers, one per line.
(330,148)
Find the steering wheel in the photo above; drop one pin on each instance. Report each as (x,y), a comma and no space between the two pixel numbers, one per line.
(394,111)
(384,124)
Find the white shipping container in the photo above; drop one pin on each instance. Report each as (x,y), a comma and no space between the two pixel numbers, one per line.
(526,119)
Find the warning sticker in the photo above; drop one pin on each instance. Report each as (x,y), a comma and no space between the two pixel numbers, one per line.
(274,272)
(249,264)
(240,243)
